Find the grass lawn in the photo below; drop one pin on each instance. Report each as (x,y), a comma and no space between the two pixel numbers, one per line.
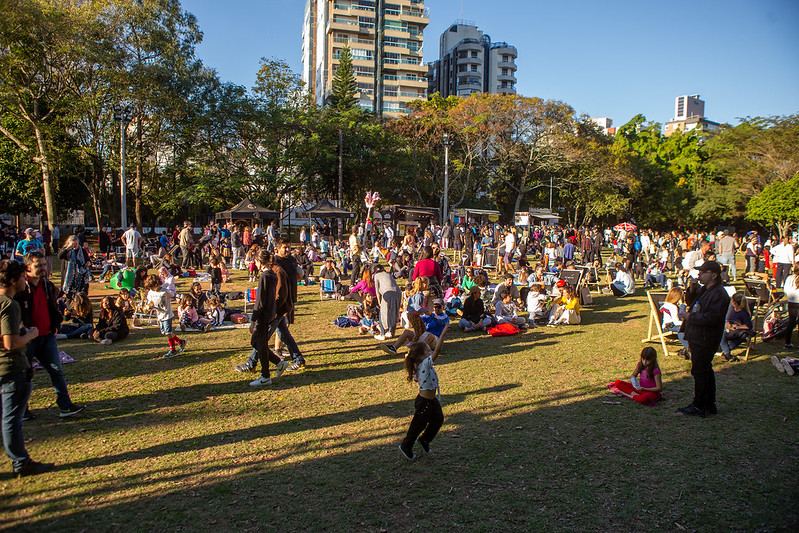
(531,440)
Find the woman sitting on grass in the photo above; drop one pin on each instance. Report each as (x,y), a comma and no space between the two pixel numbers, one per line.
(737,326)
(82,316)
(366,285)
(200,299)
(473,315)
(112,326)
(467,282)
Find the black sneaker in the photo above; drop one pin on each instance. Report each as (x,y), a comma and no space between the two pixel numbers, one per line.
(28,415)
(245,368)
(712,410)
(72,410)
(389,348)
(787,346)
(692,410)
(425,445)
(33,468)
(407,454)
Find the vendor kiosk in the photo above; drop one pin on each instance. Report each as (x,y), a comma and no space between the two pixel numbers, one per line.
(535,217)
(480,216)
(409,219)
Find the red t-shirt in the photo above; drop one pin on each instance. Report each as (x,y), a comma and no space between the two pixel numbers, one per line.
(40,314)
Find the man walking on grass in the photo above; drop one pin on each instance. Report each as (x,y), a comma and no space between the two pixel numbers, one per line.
(40,310)
(15,370)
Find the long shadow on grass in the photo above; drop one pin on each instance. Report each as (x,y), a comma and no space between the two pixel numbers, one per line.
(509,464)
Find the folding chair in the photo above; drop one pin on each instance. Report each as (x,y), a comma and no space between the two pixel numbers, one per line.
(572,277)
(656,299)
(250,295)
(143,316)
(327,287)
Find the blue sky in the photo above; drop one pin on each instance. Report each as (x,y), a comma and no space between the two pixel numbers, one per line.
(606,58)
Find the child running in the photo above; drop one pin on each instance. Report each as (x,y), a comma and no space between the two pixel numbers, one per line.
(645,384)
(161,301)
(428,416)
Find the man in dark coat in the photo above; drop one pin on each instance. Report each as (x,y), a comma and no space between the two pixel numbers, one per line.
(704,328)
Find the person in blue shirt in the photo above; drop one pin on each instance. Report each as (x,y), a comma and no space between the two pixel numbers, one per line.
(27,245)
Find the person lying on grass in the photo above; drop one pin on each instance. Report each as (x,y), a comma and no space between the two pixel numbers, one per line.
(432,324)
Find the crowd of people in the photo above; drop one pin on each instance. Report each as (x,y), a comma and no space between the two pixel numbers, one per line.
(404,290)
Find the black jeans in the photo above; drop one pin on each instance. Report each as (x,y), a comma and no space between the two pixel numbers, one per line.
(704,377)
(428,417)
(793,318)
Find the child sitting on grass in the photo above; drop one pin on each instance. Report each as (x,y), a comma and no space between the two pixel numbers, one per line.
(566,309)
(645,385)
(112,326)
(505,311)
(428,416)
(161,301)
(426,328)
(188,317)
(367,313)
(216,312)
(125,303)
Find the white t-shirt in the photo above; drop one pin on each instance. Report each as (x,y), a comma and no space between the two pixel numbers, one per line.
(510,243)
(782,253)
(162,303)
(670,314)
(132,239)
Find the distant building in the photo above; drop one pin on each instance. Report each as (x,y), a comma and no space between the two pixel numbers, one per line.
(606,124)
(689,114)
(330,24)
(470,63)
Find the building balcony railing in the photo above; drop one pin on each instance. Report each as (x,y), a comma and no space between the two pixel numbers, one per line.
(507,77)
(502,46)
(506,64)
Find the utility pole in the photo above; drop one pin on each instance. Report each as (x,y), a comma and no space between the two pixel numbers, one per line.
(446,179)
(123,116)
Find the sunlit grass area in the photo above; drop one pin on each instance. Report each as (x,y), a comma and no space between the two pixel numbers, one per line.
(531,439)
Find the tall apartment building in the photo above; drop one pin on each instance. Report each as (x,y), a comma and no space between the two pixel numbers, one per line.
(470,63)
(330,24)
(689,114)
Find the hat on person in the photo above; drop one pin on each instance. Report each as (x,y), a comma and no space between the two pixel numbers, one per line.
(29,230)
(438,301)
(561,283)
(709,266)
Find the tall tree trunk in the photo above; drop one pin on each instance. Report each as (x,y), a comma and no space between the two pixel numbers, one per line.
(340,177)
(518,202)
(49,201)
(139,163)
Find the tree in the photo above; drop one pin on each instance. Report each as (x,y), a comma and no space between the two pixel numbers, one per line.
(777,204)
(344,87)
(46,47)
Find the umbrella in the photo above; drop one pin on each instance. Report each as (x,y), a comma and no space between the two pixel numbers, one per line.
(626,226)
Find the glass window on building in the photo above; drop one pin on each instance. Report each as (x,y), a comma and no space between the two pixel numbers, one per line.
(474,68)
(474,53)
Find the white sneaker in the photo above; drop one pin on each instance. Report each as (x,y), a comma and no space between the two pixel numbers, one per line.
(777,363)
(788,368)
(261,381)
(60,336)
(105,342)
(279,368)
(380,337)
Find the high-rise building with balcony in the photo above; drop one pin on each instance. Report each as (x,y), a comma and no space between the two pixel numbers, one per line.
(470,63)
(330,24)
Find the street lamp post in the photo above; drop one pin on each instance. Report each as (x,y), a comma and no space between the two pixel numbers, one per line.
(123,115)
(446,178)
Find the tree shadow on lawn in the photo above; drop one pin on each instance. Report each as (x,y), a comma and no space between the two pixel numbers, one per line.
(590,464)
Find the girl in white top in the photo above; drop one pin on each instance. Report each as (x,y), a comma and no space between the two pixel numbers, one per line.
(428,416)
(673,311)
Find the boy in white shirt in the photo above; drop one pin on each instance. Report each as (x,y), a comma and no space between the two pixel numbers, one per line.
(161,301)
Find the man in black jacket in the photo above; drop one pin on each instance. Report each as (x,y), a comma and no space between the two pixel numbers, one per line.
(264,320)
(704,328)
(40,310)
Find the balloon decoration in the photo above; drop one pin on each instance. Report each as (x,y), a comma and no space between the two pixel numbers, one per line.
(372,197)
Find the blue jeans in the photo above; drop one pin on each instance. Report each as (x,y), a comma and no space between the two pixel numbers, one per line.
(73,331)
(45,349)
(282,327)
(680,335)
(15,389)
